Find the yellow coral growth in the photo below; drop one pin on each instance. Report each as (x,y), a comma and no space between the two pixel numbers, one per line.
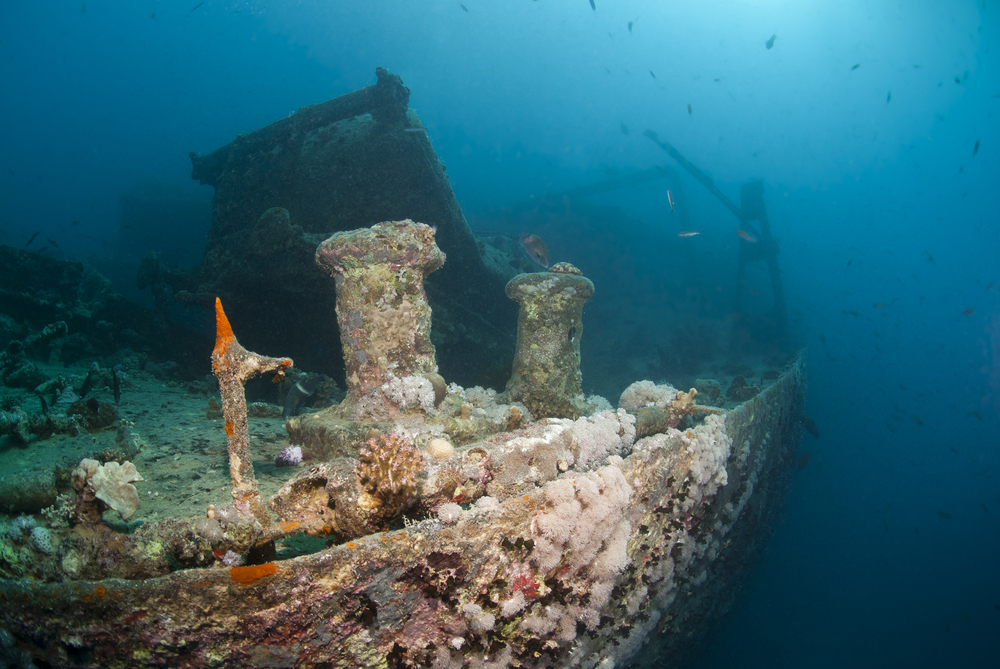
(684,400)
(387,470)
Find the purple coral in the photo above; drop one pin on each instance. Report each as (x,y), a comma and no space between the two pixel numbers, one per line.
(291,455)
(231,559)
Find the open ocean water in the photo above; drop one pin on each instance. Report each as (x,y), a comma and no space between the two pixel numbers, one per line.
(871,124)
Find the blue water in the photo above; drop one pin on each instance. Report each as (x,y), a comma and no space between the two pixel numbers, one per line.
(872,181)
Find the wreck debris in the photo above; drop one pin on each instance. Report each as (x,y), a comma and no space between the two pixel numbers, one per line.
(15,369)
(233,365)
(566,543)
(22,425)
(546,373)
(352,161)
(384,317)
(657,408)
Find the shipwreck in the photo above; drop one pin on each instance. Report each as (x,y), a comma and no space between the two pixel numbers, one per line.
(459,526)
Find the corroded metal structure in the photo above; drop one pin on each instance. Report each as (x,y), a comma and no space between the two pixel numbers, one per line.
(396,598)
(525,542)
(352,161)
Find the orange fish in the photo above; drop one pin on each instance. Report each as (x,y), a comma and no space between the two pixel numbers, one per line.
(690,233)
(804,460)
(746,236)
(968,312)
(670,200)
(535,248)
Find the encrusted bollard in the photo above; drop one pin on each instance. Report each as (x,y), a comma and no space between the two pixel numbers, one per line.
(384,318)
(546,372)
(233,365)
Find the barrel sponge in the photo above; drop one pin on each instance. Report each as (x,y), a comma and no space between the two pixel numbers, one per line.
(642,394)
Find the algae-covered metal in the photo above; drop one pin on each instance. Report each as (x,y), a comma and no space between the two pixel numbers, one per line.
(655,539)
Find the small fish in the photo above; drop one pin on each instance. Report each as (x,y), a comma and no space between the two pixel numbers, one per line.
(992,283)
(985,508)
(651,74)
(535,248)
(810,426)
(689,109)
(690,233)
(670,201)
(888,97)
(917,421)
(975,149)
(968,312)
(571,335)
(31,239)
(746,236)
(945,515)
(52,241)
(73,222)
(753,292)
(624,128)
(878,305)
(196,7)
(85,388)
(769,43)
(117,386)
(94,405)
(593,6)
(885,524)
(856,66)
(45,406)
(630,26)
(930,258)
(804,460)
(299,393)
(466,9)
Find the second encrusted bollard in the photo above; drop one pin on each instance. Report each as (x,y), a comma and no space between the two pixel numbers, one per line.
(546,373)
(384,318)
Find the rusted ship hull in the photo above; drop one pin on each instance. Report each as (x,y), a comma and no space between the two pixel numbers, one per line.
(402,598)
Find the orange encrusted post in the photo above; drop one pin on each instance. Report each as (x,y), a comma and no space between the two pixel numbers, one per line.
(233,365)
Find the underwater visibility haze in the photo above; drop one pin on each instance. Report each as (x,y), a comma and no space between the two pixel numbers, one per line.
(795,200)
